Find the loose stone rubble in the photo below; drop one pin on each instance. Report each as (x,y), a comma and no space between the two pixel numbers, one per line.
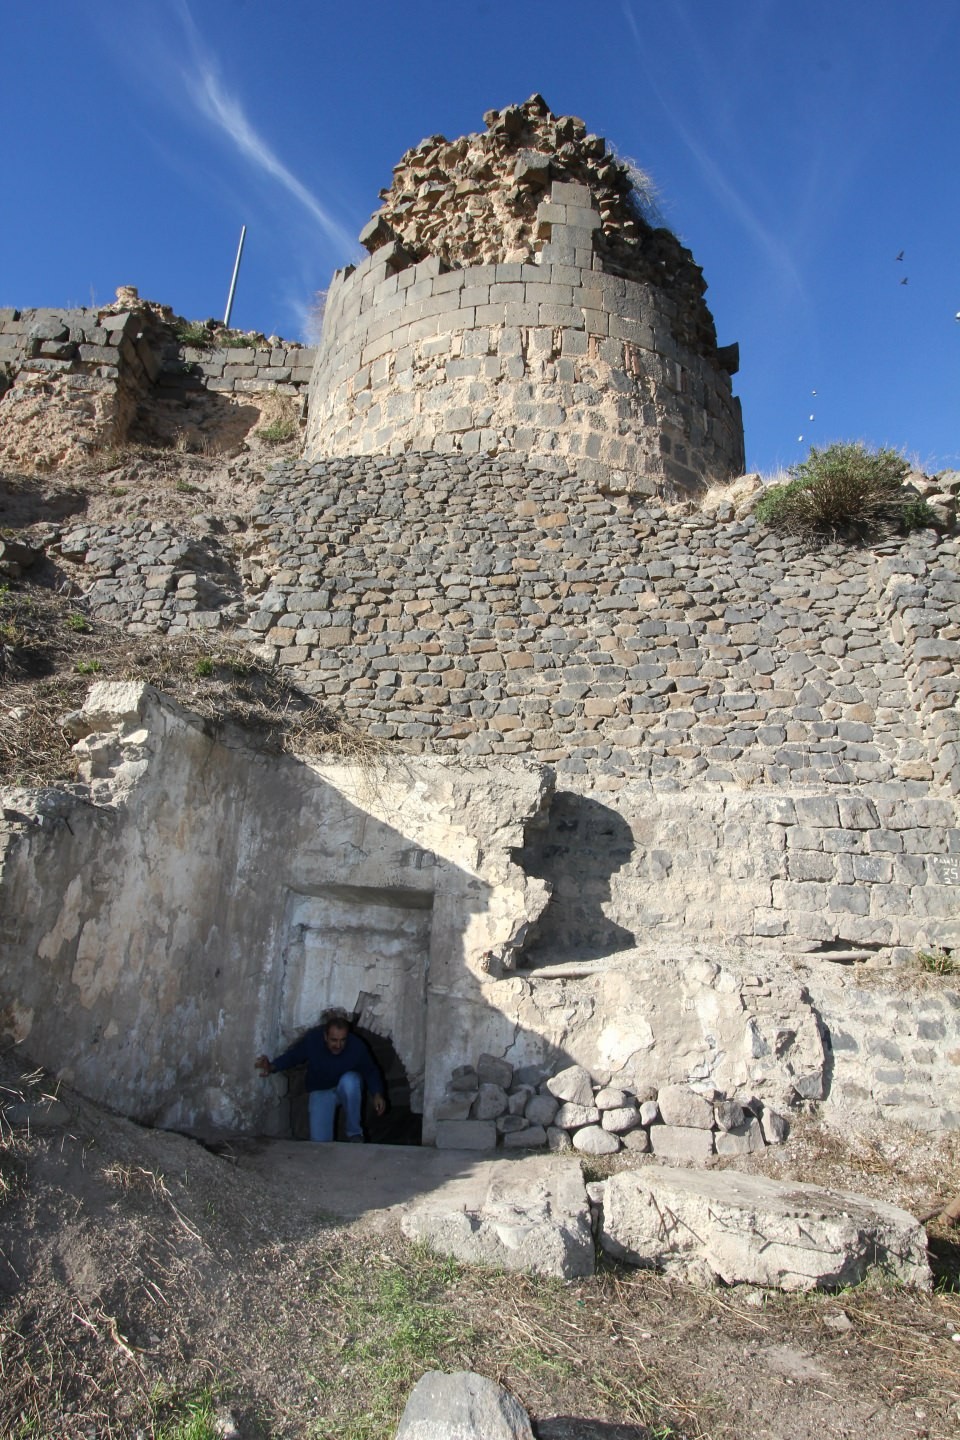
(75,382)
(474,201)
(526,1109)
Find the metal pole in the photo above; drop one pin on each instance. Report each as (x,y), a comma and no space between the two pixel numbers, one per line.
(236,271)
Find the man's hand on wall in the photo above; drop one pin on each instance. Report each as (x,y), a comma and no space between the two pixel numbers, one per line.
(262,1063)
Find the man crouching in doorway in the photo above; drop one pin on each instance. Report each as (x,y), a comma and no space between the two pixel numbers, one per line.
(338,1065)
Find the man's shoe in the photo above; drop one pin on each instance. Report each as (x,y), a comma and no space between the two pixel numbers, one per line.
(355,1139)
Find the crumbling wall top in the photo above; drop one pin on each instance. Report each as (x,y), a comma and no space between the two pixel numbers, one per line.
(474,201)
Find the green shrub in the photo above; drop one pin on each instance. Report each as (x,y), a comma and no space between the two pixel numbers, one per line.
(916,515)
(844,488)
(194,333)
(283,428)
(204,667)
(936,961)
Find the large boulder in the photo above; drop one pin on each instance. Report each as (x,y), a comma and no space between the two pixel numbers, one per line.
(704,1226)
(462,1406)
(518,1214)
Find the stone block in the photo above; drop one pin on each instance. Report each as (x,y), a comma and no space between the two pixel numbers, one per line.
(494,1071)
(572,1084)
(466,1135)
(541,1110)
(742,1139)
(611,1098)
(531,1137)
(620,1119)
(775,1126)
(491,1101)
(682,1106)
(463,1404)
(525,1213)
(744,1229)
(681,1145)
(594,1140)
(818,811)
(728,1114)
(571,1116)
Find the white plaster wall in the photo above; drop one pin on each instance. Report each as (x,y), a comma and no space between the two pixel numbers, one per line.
(155,949)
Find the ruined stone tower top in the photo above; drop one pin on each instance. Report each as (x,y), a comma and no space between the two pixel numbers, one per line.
(476,201)
(519,295)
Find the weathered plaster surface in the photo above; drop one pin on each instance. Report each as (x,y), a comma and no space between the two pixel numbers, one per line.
(202,901)
(197,901)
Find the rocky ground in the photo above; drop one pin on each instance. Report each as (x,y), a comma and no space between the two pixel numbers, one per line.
(147,1285)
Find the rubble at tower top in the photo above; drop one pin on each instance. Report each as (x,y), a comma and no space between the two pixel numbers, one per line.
(474,201)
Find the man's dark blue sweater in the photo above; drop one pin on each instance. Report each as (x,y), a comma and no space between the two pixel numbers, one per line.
(323,1068)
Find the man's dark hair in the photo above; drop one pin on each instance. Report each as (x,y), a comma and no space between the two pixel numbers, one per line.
(336,1017)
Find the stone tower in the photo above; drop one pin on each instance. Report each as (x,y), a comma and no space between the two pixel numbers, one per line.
(518,299)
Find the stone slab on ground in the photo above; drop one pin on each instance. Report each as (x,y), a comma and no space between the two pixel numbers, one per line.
(462,1406)
(529,1213)
(705,1226)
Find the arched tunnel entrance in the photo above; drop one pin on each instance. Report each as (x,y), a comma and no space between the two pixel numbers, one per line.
(400,1125)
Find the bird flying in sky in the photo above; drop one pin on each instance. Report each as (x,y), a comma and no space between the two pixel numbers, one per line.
(899,257)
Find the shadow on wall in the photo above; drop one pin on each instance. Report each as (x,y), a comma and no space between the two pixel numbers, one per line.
(582,845)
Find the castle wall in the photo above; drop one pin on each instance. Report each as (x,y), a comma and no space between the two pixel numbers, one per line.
(755,741)
(78,380)
(555,360)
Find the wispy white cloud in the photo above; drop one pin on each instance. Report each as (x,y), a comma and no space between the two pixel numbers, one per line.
(776,253)
(203,83)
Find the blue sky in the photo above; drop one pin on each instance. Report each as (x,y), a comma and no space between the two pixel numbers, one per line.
(798,146)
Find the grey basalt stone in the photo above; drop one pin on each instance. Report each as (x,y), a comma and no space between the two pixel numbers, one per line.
(776,1127)
(746,1229)
(531,1137)
(493,1071)
(620,1120)
(462,1406)
(491,1101)
(612,1099)
(571,1117)
(466,1135)
(681,1144)
(743,1139)
(541,1109)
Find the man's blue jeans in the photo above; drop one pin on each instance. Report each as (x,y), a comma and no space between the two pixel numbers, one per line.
(323,1108)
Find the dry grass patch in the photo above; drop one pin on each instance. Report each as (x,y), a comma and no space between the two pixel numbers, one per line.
(51,651)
